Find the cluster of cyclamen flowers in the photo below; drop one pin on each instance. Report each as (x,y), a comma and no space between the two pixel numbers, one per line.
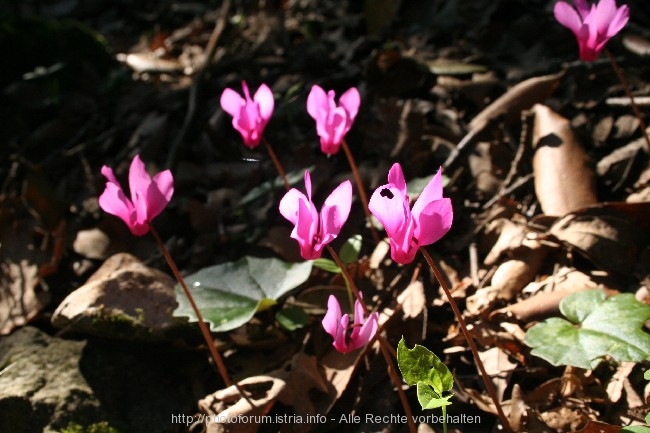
(407,228)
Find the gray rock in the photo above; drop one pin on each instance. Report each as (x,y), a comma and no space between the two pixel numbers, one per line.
(40,383)
(124,299)
(47,383)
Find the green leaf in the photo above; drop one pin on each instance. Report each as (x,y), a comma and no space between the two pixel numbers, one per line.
(429,399)
(327,265)
(646,375)
(292,318)
(229,294)
(422,365)
(350,250)
(635,429)
(598,327)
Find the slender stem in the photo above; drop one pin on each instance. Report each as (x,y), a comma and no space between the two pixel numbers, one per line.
(628,92)
(392,372)
(204,329)
(347,276)
(362,190)
(383,344)
(472,346)
(276,161)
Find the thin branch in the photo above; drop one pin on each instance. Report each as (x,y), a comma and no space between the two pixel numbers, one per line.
(470,340)
(211,48)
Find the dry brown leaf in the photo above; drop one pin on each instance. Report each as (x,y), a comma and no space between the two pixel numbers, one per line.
(511,235)
(22,294)
(498,366)
(514,274)
(226,407)
(564,180)
(547,303)
(616,384)
(338,372)
(612,235)
(564,418)
(518,98)
(413,299)
(598,427)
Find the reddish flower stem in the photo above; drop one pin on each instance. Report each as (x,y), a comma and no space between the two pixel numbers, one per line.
(204,329)
(360,187)
(470,340)
(628,92)
(383,344)
(277,164)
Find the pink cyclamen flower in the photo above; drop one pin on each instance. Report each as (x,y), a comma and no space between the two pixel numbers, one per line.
(593,26)
(336,325)
(408,229)
(314,231)
(148,196)
(249,116)
(332,121)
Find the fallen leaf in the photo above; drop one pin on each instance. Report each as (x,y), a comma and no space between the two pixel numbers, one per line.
(513,275)
(612,235)
(564,180)
(598,427)
(412,299)
(518,98)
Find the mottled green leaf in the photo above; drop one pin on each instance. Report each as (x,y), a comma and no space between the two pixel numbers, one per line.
(229,294)
(597,327)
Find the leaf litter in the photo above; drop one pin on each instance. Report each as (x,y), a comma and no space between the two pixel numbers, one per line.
(548,212)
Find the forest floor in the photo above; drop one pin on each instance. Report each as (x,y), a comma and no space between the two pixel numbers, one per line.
(550,192)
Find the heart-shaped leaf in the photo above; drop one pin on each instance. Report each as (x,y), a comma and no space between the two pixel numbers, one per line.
(229,294)
(429,399)
(597,327)
(422,365)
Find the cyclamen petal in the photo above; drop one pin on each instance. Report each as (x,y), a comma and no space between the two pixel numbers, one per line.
(249,115)
(336,324)
(149,197)
(592,26)
(332,121)
(311,230)
(408,229)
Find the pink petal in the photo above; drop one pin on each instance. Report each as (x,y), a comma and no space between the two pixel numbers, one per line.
(583,8)
(114,202)
(332,319)
(264,97)
(402,244)
(434,221)
(232,102)
(366,333)
(289,205)
(340,342)
(333,130)
(305,229)
(139,182)
(396,177)
(350,101)
(618,22)
(165,183)
(602,15)
(308,184)
(390,207)
(317,104)
(359,313)
(108,174)
(567,16)
(335,212)
(159,193)
(431,192)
